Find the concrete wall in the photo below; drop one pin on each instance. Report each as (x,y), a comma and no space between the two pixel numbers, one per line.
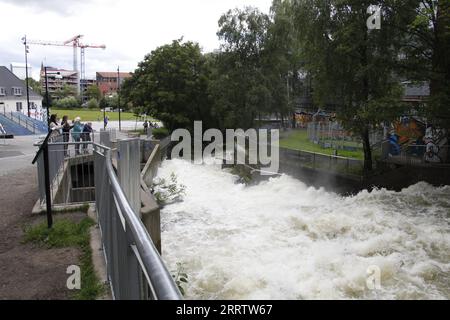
(150,211)
(391,177)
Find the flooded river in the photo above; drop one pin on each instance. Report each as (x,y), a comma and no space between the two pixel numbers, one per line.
(281,239)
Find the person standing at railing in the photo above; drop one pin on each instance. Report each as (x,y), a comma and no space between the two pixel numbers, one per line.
(55,127)
(66,127)
(86,135)
(76,133)
(54,123)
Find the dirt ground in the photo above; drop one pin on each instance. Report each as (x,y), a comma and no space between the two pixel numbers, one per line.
(27,271)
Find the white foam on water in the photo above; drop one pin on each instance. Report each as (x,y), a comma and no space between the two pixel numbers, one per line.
(283,240)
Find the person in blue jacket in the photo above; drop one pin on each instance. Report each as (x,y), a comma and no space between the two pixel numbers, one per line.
(394,146)
(76,133)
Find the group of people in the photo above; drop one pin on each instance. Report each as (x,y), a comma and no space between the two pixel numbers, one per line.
(147,125)
(80,132)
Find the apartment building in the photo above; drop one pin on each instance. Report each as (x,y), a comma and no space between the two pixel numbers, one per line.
(57,80)
(107,81)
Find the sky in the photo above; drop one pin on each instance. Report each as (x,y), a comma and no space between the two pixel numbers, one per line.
(129,28)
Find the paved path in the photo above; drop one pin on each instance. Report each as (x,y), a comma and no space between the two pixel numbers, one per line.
(26,271)
(17,153)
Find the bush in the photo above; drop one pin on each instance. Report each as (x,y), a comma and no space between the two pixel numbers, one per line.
(160,133)
(93,104)
(67,103)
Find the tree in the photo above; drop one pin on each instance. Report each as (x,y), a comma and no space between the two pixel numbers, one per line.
(65,91)
(111,101)
(351,66)
(171,84)
(34,85)
(93,92)
(282,60)
(240,87)
(426,47)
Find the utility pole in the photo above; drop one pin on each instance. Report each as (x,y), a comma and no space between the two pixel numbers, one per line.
(118,96)
(26,73)
(47,99)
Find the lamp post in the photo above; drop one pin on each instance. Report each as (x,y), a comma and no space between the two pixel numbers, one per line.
(24,39)
(57,75)
(47,99)
(118,96)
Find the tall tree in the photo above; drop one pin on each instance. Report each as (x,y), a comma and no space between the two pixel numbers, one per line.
(93,92)
(350,65)
(426,50)
(240,86)
(172,84)
(35,85)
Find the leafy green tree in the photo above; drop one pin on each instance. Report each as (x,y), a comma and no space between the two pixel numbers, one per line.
(34,85)
(171,84)
(282,60)
(93,92)
(240,87)
(426,51)
(65,91)
(351,66)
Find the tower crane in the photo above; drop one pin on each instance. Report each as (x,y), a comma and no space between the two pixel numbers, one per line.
(75,43)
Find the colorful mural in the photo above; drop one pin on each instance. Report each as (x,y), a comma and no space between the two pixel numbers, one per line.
(409,130)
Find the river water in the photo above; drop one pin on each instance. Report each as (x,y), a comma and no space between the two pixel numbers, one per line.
(281,239)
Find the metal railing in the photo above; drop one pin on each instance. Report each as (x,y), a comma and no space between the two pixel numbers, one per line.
(330,163)
(70,166)
(134,266)
(22,121)
(333,135)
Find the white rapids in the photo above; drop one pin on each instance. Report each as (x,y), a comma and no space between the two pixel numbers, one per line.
(283,240)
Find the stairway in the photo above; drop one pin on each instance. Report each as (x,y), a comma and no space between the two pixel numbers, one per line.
(41,126)
(13,128)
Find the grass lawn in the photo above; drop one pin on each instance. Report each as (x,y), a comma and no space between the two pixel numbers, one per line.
(298,140)
(92,115)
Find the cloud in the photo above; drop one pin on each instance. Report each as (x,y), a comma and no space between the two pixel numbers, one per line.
(130,29)
(66,7)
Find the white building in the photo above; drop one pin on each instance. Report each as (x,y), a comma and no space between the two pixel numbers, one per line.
(20,71)
(13,95)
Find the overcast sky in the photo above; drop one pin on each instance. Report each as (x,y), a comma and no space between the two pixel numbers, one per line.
(129,28)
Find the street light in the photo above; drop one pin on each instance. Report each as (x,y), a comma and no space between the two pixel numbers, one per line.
(24,39)
(118,96)
(47,98)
